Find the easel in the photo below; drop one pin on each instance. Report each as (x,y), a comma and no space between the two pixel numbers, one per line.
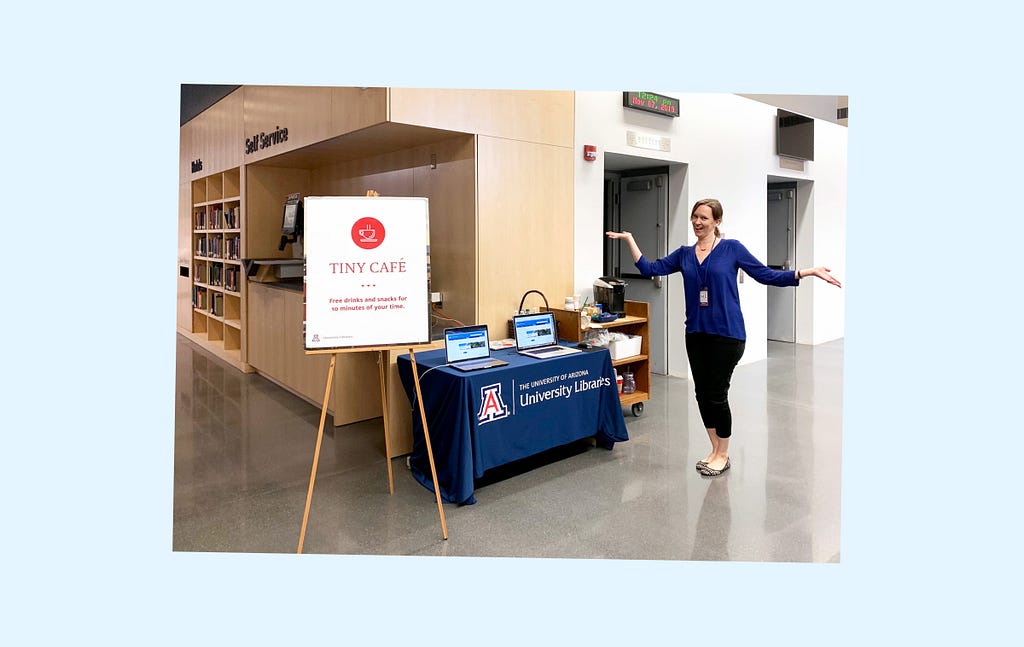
(381,362)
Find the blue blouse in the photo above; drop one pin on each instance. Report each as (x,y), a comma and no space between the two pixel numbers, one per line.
(722,315)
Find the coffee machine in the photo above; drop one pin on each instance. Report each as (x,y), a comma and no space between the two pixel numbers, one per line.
(610,293)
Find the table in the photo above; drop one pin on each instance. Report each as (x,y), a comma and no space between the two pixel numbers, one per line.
(482,419)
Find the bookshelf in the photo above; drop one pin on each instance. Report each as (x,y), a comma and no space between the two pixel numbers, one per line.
(217,273)
(634,323)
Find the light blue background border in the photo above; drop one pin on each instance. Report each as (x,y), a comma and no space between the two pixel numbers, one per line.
(930,537)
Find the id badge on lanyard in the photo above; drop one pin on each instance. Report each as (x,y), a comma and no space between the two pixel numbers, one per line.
(704,299)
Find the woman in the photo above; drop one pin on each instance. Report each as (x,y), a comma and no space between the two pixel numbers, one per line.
(715,335)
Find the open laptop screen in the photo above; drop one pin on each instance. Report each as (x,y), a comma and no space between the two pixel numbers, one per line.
(535,330)
(469,342)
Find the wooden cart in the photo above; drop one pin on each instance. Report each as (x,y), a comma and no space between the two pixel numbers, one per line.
(634,323)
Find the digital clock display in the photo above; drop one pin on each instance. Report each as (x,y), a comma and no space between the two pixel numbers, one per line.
(651,102)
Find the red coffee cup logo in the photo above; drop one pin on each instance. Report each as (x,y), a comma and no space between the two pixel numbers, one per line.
(368,233)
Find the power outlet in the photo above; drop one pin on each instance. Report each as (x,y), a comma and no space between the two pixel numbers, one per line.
(435,297)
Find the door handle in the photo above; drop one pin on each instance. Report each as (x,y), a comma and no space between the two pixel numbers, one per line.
(657,281)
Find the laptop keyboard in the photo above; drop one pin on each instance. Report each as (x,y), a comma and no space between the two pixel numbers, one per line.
(472,363)
(553,352)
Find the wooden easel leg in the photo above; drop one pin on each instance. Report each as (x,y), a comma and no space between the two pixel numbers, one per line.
(426,437)
(316,452)
(387,429)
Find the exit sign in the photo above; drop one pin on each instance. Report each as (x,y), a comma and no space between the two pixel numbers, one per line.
(650,102)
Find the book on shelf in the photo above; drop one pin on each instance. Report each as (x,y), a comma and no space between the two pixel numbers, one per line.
(231,218)
(217,304)
(199,297)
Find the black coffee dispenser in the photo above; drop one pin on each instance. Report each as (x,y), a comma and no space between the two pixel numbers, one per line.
(610,292)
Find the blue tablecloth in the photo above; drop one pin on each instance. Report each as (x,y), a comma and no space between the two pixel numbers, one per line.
(482,419)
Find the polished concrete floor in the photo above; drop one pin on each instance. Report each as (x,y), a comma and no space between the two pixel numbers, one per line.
(243,450)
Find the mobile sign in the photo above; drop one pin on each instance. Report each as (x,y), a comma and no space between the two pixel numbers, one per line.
(366,280)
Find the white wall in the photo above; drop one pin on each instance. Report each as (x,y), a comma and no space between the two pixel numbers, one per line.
(727,144)
(829,242)
(818,106)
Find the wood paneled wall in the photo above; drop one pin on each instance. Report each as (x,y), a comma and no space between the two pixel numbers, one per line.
(185,152)
(184,298)
(545,117)
(311,114)
(500,191)
(276,351)
(356,108)
(304,111)
(450,188)
(525,220)
(522,178)
(266,188)
(215,137)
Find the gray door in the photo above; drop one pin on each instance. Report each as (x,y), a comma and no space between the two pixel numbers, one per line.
(643,210)
(782,256)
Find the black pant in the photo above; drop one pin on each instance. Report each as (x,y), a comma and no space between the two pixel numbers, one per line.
(712,360)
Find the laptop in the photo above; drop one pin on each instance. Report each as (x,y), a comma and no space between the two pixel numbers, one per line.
(535,336)
(468,349)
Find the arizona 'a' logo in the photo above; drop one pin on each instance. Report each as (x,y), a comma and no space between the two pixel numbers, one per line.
(491,406)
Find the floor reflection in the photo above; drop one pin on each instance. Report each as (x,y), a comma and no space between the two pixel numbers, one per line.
(714,522)
(243,451)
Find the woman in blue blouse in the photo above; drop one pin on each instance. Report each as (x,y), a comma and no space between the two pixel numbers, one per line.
(715,335)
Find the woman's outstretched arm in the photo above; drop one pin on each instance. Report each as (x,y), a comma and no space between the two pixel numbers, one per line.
(628,237)
(822,273)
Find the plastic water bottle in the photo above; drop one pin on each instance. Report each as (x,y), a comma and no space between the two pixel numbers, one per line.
(628,382)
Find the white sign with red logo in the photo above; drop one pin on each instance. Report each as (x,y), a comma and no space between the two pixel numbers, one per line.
(366,272)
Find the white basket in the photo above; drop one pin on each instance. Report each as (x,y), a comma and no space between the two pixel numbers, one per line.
(625,348)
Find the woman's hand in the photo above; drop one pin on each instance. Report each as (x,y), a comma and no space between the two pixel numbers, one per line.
(628,237)
(822,273)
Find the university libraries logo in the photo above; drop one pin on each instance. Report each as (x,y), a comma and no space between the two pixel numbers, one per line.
(491,405)
(368,233)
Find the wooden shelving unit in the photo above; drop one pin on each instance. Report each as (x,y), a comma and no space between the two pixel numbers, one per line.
(217,274)
(634,323)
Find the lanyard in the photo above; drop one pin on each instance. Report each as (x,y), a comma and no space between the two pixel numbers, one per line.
(703,279)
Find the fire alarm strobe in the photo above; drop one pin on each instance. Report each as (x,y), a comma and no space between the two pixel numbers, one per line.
(590,153)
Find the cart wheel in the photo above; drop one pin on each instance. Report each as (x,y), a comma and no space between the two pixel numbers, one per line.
(638,408)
